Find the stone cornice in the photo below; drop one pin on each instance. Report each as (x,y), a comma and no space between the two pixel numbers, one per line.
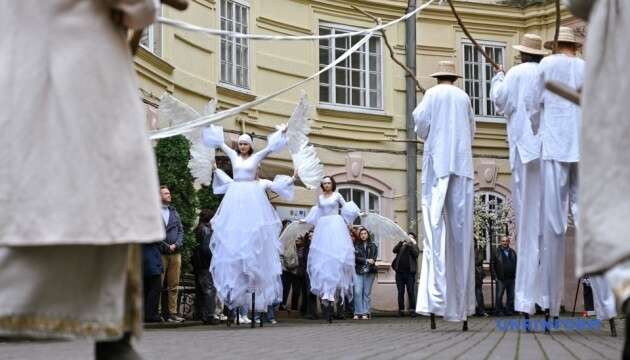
(153,60)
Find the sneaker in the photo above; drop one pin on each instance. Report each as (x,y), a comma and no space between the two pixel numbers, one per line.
(364,317)
(273,322)
(222,317)
(355,317)
(244,320)
(174,320)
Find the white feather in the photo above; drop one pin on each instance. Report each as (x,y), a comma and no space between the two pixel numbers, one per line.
(384,229)
(173,111)
(305,160)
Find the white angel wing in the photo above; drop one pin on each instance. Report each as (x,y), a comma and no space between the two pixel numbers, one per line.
(173,111)
(383,228)
(293,231)
(200,163)
(305,160)
(211,107)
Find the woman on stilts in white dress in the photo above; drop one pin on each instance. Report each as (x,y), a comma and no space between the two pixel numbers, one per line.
(331,255)
(246,262)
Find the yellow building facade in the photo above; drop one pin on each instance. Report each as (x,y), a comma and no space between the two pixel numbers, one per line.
(358,110)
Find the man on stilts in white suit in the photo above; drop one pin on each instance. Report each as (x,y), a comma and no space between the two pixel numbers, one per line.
(517,96)
(445,121)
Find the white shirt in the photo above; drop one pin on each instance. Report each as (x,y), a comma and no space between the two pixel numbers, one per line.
(561,120)
(446,122)
(517,96)
(165,214)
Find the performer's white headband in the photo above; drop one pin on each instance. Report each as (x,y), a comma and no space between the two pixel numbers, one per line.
(245,139)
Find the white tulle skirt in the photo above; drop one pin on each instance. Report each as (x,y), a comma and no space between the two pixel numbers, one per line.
(246,248)
(331,258)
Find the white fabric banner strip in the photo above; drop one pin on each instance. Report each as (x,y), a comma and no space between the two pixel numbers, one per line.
(216,117)
(209,31)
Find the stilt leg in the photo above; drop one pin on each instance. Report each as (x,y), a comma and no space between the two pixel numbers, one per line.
(330,312)
(228,315)
(465,325)
(253,310)
(432,321)
(237,316)
(613,328)
(527,324)
(547,322)
(262,315)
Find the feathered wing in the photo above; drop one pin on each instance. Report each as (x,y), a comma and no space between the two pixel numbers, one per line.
(305,160)
(383,228)
(173,111)
(293,231)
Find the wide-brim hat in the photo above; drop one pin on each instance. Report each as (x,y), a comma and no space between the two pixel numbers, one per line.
(446,68)
(565,35)
(531,44)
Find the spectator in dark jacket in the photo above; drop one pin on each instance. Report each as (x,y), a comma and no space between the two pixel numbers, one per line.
(152,270)
(480,309)
(201,258)
(365,253)
(171,248)
(504,268)
(406,265)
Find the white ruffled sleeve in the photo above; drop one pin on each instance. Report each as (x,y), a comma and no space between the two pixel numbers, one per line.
(213,136)
(313,215)
(350,211)
(220,182)
(276,141)
(283,186)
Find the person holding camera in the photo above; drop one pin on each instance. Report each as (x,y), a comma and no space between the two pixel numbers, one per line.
(365,253)
(406,264)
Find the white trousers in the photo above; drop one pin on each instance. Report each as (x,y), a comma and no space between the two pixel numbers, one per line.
(559,193)
(526,203)
(603,298)
(447,286)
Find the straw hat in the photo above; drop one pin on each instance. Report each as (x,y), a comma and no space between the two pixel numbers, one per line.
(531,44)
(446,68)
(566,35)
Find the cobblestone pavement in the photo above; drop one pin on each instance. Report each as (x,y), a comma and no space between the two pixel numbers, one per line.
(380,338)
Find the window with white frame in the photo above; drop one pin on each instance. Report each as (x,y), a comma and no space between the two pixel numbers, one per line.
(357,80)
(234,51)
(478,75)
(152,38)
(367,201)
(492,202)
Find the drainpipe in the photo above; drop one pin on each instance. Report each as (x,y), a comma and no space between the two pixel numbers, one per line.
(410,92)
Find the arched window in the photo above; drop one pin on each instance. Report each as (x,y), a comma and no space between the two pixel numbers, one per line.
(367,200)
(491,203)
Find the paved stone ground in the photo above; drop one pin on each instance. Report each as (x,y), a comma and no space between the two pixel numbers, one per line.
(380,338)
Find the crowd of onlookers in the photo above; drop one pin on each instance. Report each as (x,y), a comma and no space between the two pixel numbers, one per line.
(162,267)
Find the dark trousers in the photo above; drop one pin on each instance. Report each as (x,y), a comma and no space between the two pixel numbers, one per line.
(152,287)
(480,308)
(505,286)
(309,299)
(297,293)
(406,280)
(287,278)
(206,295)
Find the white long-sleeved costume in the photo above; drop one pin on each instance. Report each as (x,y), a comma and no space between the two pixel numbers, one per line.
(444,119)
(245,242)
(559,131)
(331,254)
(517,96)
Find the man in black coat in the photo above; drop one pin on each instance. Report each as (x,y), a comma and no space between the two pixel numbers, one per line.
(504,268)
(201,258)
(406,265)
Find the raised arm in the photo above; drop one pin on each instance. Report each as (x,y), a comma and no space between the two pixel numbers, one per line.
(499,93)
(275,142)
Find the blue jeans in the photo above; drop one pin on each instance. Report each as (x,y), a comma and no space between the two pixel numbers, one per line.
(362,290)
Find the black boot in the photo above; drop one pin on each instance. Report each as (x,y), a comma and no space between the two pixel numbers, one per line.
(547,325)
(116,350)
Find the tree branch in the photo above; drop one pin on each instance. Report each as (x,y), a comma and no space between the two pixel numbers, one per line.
(555,37)
(391,50)
(475,43)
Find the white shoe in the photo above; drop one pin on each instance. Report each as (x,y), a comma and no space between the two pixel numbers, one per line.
(273,322)
(244,320)
(221,317)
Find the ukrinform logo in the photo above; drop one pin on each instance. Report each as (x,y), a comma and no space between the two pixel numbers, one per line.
(542,324)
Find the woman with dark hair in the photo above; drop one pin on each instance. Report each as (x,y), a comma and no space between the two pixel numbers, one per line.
(365,253)
(245,243)
(331,254)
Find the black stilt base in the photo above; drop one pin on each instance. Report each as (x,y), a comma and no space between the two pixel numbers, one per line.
(465,325)
(253,310)
(613,328)
(547,322)
(432,321)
